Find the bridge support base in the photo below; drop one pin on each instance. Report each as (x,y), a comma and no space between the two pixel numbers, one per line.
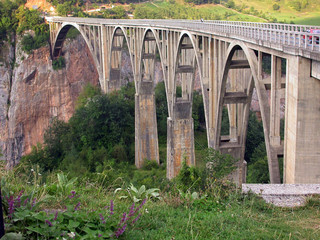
(302,141)
(180,145)
(146,134)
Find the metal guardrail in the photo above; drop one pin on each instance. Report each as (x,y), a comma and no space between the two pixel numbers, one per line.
(291,35)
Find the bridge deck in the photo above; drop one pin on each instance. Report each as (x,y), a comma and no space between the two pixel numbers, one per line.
(289,38)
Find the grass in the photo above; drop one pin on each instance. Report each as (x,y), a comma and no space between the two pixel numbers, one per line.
(250,219)
(174,217)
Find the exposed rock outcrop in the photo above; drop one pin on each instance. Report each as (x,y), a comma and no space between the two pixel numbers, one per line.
(38,94)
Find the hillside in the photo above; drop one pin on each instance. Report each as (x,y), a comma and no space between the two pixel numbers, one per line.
(298,11)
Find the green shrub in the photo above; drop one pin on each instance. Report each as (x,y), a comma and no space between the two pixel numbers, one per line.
(30,43)
(58,63)
(137,195)
(276,7)
(88,92)
(188,178)
(150,164)
(155,177)
(230,4)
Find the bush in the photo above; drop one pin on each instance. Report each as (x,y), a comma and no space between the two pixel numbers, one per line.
(58,63)
(230,4)
(188,178)
(276,7)
(30,43)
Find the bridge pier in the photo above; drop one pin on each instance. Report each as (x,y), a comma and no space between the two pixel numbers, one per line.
(302,134)
(146,133)
(180,138)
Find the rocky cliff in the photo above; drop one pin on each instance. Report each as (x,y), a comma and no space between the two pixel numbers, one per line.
(32,93)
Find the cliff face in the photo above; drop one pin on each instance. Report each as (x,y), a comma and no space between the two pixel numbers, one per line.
(37,94)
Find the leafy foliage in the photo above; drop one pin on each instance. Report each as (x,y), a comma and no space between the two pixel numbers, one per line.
(137,195)
(101,129)
(58,63)
(188,178)
(17,19)
(30,43)
(255,136)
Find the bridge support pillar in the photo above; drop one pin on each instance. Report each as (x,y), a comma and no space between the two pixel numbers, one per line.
(180,139)
(302,132)
(146,133)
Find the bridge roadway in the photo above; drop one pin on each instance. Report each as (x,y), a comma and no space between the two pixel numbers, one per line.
(227,57)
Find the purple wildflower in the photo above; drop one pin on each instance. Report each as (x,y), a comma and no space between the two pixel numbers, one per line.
(141,205)
(100,235)
(131,212)
(123,219)
(25,202)
(55,216)
(18,199)
(73,194)
(77,206)
(120,231)
(102,218)
(111,208)
(33,202)
(136,219)
(10,206)
(49,223)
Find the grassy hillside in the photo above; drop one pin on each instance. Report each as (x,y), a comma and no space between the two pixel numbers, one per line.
(296,11)
(309,12)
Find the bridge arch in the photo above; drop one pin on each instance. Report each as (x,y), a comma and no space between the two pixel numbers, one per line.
(186,59)
(60,39)
(149,46)
(236,146)
(118,39)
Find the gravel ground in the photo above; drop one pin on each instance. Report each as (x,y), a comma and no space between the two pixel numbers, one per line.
(283,195)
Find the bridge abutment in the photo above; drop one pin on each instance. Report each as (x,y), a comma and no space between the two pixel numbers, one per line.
(302,134)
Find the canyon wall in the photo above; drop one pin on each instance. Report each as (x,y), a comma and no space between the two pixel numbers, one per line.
(32,93)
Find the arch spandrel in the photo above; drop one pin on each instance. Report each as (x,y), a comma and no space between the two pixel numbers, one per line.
(262,97)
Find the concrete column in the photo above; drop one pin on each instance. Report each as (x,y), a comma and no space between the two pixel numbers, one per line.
(146,133)
(275,101)
(213,86)
(105,58)
(180,138)
(302,132)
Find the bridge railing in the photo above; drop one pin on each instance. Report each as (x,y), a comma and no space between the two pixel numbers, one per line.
(273,34)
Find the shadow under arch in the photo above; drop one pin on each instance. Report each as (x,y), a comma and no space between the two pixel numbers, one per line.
(187,42)
(151,35)
(119,41)
(60,39)
(251,62)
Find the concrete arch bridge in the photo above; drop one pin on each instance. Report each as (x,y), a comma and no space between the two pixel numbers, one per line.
(228,57)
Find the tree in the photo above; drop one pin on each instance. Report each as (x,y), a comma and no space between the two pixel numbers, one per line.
(64,9)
